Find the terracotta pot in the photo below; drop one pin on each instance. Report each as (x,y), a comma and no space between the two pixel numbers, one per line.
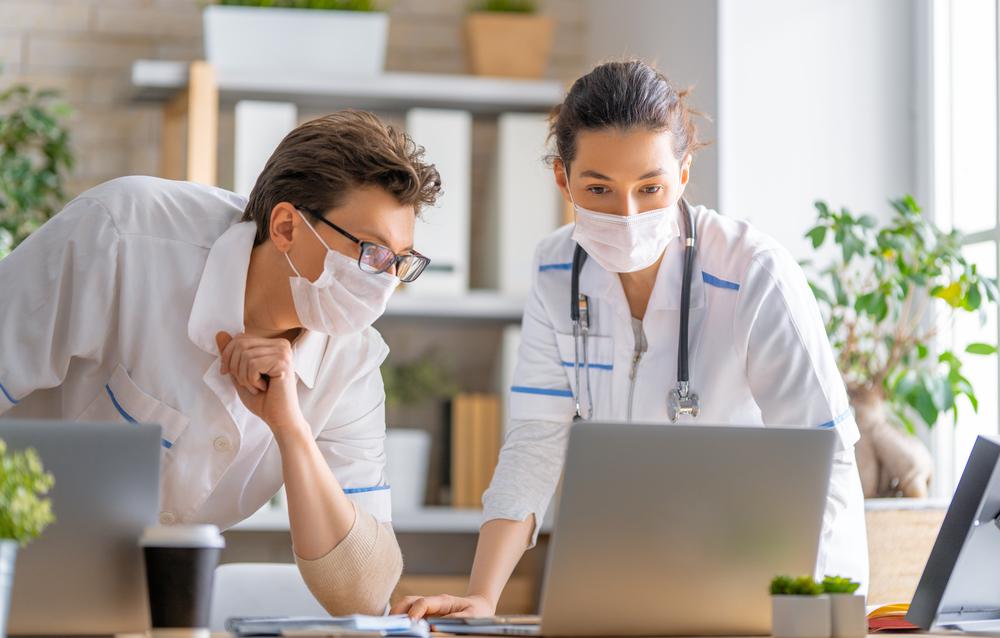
(512,45)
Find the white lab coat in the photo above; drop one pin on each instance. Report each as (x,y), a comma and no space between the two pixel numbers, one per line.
(758,351)
(109,313)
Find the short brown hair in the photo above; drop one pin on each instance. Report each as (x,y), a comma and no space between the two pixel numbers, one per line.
(320,161)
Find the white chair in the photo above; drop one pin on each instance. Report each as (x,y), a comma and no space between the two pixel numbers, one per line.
(260,589)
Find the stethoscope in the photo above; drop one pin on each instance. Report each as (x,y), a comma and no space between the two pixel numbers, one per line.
(680,401)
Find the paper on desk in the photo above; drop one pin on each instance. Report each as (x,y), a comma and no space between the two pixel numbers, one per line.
(399,625)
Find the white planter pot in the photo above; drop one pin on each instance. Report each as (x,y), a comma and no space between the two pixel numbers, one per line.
(847,616)
(800,616)
(261,39)
(8,556)
(407,454)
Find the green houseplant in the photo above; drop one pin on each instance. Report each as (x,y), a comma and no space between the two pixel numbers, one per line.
(25,511)
(417,395)
(507,38)
(882,298)
(799,608)
(35,156)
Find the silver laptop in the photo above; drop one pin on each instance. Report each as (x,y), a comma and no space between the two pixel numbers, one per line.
(84,574)
(678,530)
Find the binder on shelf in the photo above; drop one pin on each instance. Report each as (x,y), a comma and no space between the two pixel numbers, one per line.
(259,127)
(443,233)
(475,446)
(525,202)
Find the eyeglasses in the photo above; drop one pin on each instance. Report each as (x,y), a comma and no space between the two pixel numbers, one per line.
(376,258)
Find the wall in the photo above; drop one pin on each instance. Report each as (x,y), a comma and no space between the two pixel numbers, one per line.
(679,38)
(810,99)
(816,101)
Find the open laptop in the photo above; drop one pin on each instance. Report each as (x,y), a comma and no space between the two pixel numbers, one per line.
(84,574)
(960,587)
(678,530)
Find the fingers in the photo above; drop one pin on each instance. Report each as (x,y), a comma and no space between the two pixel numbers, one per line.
(402,606)
(247,373)
(422,606)
(465,613)
(222,339)
(418,609)
(247,359)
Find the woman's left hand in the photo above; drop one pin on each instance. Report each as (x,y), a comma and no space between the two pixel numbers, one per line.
(263,372)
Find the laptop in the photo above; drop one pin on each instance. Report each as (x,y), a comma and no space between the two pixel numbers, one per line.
(84,574)
(677,530)
(959,588)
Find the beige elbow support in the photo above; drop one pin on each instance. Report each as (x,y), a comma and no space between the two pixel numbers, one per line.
(359,574)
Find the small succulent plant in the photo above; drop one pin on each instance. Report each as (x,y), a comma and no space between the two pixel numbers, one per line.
(801,586)
(839,585)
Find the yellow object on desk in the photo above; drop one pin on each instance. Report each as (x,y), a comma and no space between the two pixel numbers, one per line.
(890,618)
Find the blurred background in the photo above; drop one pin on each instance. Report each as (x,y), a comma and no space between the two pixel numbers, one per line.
(886,112)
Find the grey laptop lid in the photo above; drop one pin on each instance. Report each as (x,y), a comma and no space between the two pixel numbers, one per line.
(678,530)
(960,584)
(84,574)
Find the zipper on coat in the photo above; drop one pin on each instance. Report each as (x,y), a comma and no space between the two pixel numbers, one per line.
(640,349)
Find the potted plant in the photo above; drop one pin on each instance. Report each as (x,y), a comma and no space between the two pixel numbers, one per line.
(799,609)
(296,36)
(35,156)
(416,395)
(883,297)
(847,609)
(507,38)
(24,513)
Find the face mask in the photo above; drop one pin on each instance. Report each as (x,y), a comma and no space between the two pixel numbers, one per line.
(621,243)
(343,300)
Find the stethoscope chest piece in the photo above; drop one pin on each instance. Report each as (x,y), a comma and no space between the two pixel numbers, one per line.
(682,402)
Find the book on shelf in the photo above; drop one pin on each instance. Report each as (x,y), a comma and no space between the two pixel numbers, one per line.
(475,446)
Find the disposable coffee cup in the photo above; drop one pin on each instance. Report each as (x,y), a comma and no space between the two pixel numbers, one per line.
(180,566)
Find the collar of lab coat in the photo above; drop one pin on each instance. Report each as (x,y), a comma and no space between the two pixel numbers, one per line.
(218,304)
(599,283)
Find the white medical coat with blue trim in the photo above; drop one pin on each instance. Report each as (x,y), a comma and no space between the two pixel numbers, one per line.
(759,354)
(109,313)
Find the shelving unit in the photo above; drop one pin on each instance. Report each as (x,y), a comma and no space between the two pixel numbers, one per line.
(192,94)
(481,305)
(162,80)
(426,520)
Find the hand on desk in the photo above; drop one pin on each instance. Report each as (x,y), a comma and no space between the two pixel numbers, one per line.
(444,605)
(263,372)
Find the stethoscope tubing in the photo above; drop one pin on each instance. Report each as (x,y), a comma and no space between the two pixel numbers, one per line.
(580,311)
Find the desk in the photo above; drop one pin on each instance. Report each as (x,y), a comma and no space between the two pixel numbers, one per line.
(878,635)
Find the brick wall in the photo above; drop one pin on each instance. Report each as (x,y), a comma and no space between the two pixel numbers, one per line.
(86,47)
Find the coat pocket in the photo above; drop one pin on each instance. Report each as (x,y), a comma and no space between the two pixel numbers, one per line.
(121,400)
(600,353)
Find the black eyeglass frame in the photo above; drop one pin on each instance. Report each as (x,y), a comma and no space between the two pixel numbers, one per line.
(369,247)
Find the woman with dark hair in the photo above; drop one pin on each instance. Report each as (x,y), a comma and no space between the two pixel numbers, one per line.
(624,141)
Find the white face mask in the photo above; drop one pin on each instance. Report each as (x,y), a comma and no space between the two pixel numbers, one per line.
(623,243)
(344,299)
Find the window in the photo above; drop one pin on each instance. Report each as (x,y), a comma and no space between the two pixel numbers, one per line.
(962,38)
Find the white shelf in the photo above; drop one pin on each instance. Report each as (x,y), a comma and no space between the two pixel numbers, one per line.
(161,79)
(883,504)
(440,520)
(482,305)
